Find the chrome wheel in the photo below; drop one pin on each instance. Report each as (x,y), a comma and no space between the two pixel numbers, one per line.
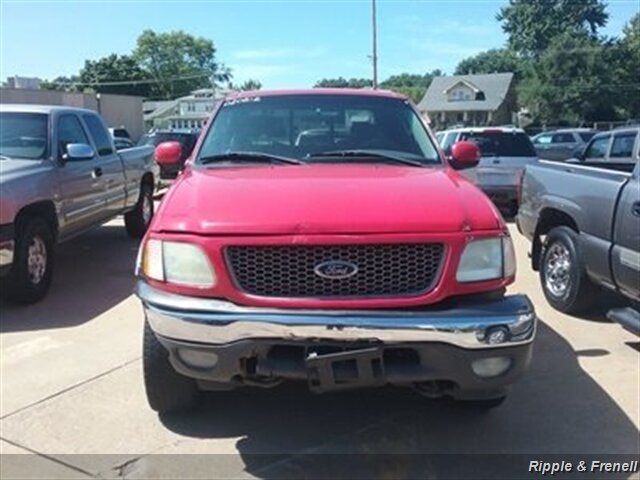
(147,210)
(36,260)
(558,269)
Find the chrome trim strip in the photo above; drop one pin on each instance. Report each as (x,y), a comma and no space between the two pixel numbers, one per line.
(630,258)
(217,322)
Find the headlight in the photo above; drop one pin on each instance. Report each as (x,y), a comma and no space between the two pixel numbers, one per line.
(509,256)
(176,262)
(487,259)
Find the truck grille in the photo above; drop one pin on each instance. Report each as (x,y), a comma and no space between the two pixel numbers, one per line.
(291,271)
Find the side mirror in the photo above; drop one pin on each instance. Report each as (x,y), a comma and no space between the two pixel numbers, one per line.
(464,155)
(78,151)
(168,154)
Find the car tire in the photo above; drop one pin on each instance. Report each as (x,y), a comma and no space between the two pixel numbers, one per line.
(167,391)
(512,209)
(137,221)
(563,275)
(30,275)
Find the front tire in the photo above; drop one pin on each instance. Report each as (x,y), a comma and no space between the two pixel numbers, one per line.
(30,276)
(563,275)
(167,390)
(138,220)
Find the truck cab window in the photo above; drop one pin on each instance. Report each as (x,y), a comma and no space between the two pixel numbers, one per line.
(598,147)
(70,131)
(99,134)
(622,146)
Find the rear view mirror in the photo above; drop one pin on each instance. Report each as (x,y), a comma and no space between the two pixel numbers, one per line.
(78,151)
(464,155)
(168,154)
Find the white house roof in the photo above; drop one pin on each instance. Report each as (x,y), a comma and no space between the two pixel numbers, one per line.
(462,82)
(494,86)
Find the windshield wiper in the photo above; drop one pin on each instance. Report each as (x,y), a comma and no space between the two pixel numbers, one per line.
(366,153)
(249,156)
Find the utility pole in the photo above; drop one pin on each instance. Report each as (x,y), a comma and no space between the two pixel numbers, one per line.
(374,57)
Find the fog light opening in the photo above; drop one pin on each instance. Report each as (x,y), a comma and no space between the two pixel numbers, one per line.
(198,358)
(491,367)
(497,335)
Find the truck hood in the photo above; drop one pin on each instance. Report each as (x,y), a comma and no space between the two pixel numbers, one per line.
(318,199)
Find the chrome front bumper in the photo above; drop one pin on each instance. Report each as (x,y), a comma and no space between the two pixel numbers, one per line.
(464,324)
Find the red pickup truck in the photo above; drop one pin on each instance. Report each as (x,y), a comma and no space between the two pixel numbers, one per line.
(320,235)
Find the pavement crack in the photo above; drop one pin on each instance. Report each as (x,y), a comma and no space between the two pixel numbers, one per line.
(72,387)
(125,468)
(50,458)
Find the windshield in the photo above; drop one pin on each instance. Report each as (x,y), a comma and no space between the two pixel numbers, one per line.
(501,144)
(304,126)
(23,135)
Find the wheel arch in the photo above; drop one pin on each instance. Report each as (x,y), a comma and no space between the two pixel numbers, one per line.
(44,209)
(549,218)
(147,179)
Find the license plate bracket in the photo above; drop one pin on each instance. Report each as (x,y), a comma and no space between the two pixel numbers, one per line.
(345,370)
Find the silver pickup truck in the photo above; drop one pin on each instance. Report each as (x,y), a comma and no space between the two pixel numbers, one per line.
(61,175)
(584,222)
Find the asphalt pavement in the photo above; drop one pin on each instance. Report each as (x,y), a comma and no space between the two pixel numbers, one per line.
(72,402)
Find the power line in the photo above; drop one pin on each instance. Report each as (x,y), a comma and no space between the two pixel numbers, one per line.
(132,82)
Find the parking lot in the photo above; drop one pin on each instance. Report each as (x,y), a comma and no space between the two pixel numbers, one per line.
(72,393)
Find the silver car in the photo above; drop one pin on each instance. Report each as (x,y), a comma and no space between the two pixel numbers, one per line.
(505,153)
(563,144)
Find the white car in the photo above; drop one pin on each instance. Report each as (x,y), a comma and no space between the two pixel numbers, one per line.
(505,151)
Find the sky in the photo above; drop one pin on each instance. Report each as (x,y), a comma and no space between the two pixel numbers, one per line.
(283,44)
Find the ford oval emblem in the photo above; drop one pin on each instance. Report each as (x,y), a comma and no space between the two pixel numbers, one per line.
(336,269)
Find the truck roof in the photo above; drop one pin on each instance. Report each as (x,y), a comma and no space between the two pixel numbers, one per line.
(30,108)
(625,129)
(366,92)
(484,129)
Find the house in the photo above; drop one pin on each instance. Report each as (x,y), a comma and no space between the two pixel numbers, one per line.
(190,111)
(470,100)
(16,81)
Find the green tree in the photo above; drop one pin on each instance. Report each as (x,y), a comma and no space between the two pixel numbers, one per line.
(412,85)
(118,74)
(247,85)
(628,69)
(496,60)
(572,81)
(178,62)
(343,83)
(532,25)
(63,84)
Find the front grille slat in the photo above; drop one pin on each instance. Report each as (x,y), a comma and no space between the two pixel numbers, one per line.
(384,270)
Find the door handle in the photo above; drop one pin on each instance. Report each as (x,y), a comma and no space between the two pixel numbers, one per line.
(635,209)
(97,172)
(496,161)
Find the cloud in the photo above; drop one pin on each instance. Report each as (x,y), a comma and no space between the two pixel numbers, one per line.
(245,71)
(273,65)
(416,25)
(279,53)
